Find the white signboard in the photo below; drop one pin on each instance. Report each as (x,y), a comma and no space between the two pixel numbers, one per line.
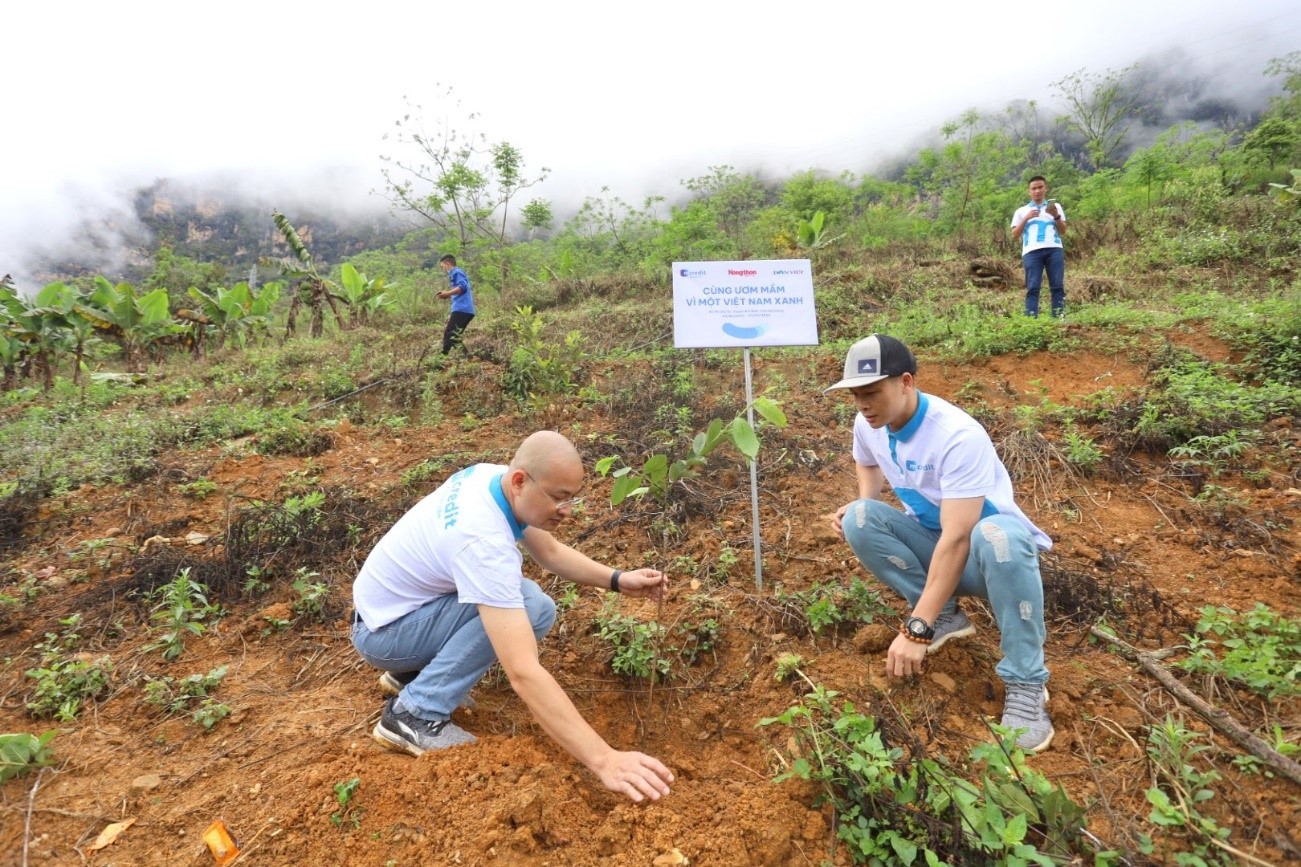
(766,302)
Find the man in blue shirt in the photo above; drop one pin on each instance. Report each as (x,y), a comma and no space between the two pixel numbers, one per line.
(1039,226)
(462,302)
(960,532)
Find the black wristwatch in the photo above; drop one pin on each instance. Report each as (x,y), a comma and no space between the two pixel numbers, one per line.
(919,628)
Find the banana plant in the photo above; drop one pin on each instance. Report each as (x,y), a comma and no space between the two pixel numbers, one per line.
(39,328)
(57,304)
(13,350)
(135,322)
(313,290)
(228,312)
(363,296)
(813,235)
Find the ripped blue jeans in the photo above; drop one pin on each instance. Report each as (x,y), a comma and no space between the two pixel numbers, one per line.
(1002,568)
(446,642)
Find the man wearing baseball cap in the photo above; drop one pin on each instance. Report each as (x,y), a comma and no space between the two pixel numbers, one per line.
(960,532)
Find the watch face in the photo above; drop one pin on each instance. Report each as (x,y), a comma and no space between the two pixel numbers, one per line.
(917,626)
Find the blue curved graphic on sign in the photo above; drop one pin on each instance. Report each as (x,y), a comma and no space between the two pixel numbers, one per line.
(742,332)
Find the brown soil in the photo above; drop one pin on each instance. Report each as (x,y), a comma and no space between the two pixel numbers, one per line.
(303,704)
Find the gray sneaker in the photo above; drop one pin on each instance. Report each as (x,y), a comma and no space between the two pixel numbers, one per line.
(950,624)
(1026,708)
(399,730)
(391,683)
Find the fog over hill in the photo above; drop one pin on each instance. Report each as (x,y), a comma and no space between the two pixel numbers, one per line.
(113,226)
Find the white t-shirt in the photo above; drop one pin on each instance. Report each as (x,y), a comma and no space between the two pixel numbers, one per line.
(942,453)
(460,539)
(1041,231)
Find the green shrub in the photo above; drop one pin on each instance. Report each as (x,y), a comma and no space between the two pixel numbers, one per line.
(830,605)
(1260,649)
(1194,399)
(540,368)
(63,684)
(897,809)
(21,752)
(191,694)
(638,648)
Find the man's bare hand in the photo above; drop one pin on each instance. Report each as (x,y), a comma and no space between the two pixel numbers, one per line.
(643,583)
(636,775)
(904,657)
(837,520)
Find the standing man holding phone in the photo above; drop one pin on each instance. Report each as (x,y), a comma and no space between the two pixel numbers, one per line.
(1040,225)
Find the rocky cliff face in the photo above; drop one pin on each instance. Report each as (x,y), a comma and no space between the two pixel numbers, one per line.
(208,226)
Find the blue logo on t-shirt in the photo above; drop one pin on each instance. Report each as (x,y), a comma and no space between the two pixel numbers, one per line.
(914,467)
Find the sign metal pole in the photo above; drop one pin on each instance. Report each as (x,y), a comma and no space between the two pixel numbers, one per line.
(754,476)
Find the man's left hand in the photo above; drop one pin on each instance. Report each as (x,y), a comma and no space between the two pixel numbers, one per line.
(905,657)
(645,583)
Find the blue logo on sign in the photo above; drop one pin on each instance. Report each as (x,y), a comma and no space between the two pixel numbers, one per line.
(684,272)
(867,365)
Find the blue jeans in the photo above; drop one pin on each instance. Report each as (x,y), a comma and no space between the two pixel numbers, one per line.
(445,641)
(1002,568)
(1036,262)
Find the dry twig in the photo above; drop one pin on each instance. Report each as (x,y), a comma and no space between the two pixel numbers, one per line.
(1219,719)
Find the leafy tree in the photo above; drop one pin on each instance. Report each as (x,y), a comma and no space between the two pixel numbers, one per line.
(1099,109)
(177,273)
(974,174)
(1024,125)
(537,216)
(1288,67)
(614,230)
(804,194)
(457,181)
(693,233)
(732,199)
(58,303)
(1275,141)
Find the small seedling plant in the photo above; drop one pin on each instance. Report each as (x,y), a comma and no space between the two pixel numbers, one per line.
(309,596)
(1178,798)
(64,684)
(638,647)
(349,812)
(658,474)
(192,694)
(179,613)
(825,607)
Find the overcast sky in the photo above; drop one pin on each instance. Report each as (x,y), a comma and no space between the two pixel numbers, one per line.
(99,97)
